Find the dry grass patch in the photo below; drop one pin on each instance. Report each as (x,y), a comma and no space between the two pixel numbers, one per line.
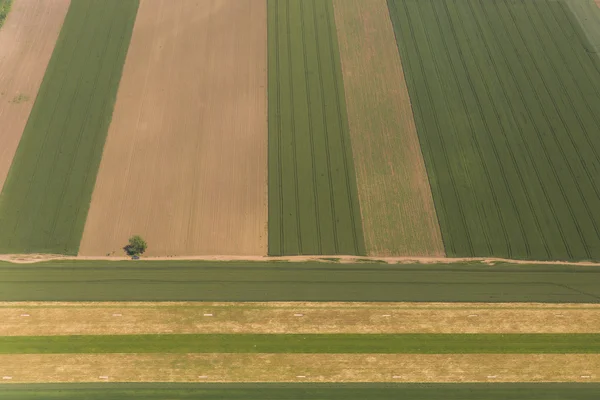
(35,319)
(27,40)
(300,367)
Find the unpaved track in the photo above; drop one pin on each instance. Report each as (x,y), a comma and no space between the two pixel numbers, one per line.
(300,367)
(397,208)
(52,318)
(27,40)
(185,160)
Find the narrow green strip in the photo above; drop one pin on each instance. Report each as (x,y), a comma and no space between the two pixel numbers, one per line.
(295,391)
(299,343)
(313,199)
(44,202)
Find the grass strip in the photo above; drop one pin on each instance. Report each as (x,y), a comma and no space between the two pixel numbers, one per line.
(306,343)
(46,196)
(271,281)
(294,391)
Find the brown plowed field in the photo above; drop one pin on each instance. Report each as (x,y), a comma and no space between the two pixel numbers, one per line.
(397,208)
(185,163)
(210,367)
(27,40)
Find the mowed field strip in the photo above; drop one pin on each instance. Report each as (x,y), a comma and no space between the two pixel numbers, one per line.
(185,160)
(397,208)
(45,198)
(505,96)
(301,281)
(224,367)
(26,42)
(313,200)
(51,318)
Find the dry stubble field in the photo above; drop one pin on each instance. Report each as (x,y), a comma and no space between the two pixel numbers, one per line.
(223,367)
(396,204)
(27,40)
(52,318)
(185,160)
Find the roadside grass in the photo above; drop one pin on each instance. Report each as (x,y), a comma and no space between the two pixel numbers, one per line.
(46,196)
(313,199)
(505,96)
(306,343)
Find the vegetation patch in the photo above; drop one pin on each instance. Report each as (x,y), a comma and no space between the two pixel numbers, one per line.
(45,199)
(4,9)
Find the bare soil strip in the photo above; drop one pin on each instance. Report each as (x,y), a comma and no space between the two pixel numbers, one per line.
(398,214)
(27,40)
(49,318)
(299,368)
(185,163)
(35,258)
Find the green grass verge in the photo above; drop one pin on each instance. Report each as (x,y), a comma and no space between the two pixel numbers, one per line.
(214,281)
(44,202)
(293,391)
(506,98)
(306,343)
(4,9)
(313,200)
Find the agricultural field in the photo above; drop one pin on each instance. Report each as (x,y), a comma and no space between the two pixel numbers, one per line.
(185,163)
(507,123)
(271,281)
(313,201)
(396,204)
(24,56)
(45,198)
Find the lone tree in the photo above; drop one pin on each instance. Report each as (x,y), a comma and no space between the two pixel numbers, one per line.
(136,246)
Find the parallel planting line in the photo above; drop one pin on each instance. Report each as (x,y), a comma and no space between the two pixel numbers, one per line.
(313,199)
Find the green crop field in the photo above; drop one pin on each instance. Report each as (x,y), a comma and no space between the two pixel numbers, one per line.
(44,202)
(271,281)
(313,201)
(295,391)
(506,97)
(306,343)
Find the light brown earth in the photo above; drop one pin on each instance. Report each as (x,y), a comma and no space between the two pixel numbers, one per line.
(397,207)
(300,368)
(185,162)
(49,318)
(27,40)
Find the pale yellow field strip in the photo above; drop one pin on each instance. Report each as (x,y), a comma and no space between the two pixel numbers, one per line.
(185,162)
(27,40)
(32,368)
(35,319)
(397,207)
